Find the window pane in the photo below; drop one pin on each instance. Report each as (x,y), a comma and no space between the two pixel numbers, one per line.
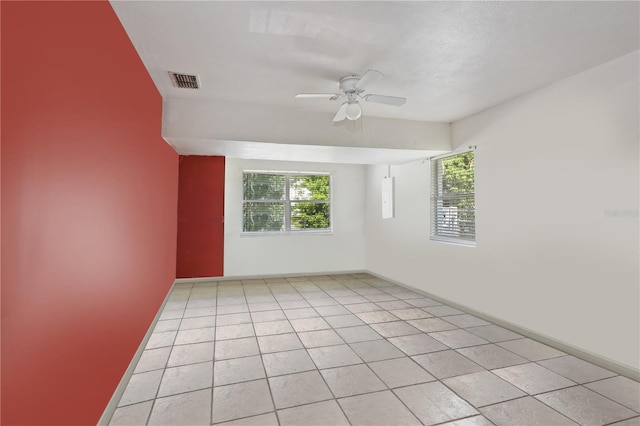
(309,187)
(309,215)
(457,174)
(456,218)
(259,186)
(263,216)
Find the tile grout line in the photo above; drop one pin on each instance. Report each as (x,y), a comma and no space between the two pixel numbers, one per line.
(387,388)
(383,338)
(311,358)
(610,399)
(320,373)
(555,344)
(575,384)
(436,379)
(528,361)
(213,361)
(153,403)
(264,368)
(113,405)
(527,396)
(485,369)
(455,349)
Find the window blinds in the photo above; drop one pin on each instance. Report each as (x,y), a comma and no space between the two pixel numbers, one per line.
(453,198)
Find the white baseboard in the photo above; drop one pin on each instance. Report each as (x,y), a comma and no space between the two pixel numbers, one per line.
(599,360)
(263,276)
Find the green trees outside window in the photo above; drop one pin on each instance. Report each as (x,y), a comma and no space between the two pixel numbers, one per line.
(277,202)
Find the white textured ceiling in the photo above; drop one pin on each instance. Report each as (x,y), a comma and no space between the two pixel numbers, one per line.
(449,59)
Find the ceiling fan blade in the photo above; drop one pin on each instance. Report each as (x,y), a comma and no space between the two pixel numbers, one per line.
(342,112)
(382,99)
(368,78)
(315,95)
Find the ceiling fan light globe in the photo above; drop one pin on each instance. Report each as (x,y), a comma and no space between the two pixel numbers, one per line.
(353,111)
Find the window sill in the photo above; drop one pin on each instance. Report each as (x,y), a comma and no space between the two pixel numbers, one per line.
(454,241)
(284,233)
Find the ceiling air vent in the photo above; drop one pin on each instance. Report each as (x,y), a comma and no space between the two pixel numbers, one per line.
(184,81)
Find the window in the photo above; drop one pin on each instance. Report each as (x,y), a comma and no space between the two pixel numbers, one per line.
(453,199)
(283,202)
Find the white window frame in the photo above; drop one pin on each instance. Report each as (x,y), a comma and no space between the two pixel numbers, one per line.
(287,202)
(435,186)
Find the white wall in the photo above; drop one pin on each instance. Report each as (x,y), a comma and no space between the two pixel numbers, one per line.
(188,120)
(549,167)
(343,250)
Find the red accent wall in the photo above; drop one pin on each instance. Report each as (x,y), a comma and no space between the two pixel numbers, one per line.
(200,217)
(89,207)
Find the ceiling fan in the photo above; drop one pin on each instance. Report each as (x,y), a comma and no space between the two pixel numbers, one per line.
(352,87)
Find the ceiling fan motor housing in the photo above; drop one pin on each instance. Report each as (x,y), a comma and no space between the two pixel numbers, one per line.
(348,84)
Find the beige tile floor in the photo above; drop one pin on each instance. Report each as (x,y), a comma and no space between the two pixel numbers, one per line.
(354,349)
